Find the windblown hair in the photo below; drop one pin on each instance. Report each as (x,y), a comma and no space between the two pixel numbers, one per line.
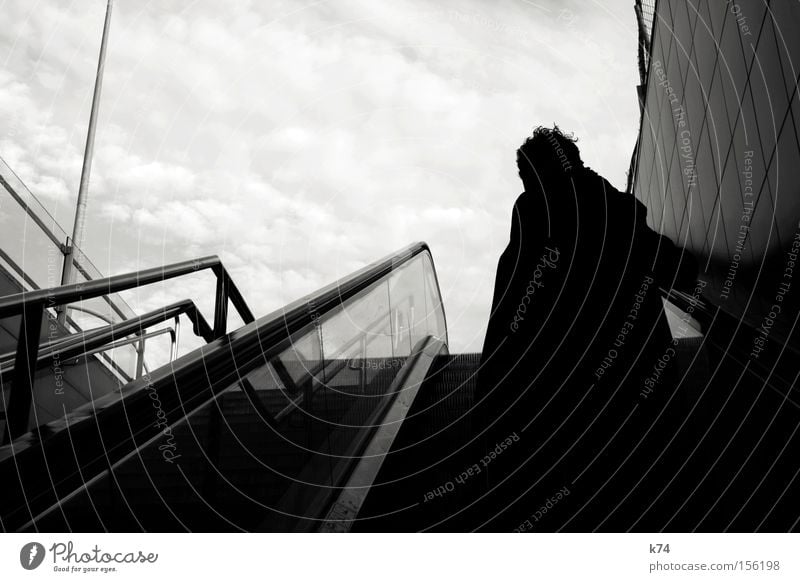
(547,152)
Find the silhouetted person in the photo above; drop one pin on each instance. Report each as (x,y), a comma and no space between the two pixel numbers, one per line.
(575,336)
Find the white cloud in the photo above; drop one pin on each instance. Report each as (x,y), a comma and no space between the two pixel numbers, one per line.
(301,142)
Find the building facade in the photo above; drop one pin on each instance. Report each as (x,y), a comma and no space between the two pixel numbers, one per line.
(718,157)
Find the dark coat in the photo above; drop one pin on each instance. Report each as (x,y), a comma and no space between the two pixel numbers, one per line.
(577,321)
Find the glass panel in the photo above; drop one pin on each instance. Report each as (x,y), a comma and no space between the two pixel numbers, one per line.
(434,309)
(30,246)
(32,257)
(267,463)
(407,297)
(30,239)
(34,246)
(302,360)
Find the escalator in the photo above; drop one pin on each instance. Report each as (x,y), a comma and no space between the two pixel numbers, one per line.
(717,451)
(259,430)
(345,411)
(428,476)
(231,464)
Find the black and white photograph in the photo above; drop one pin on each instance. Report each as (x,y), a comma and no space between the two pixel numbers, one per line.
(405,271)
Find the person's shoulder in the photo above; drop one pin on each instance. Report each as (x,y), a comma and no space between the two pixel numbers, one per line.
(618,197)
(600,182)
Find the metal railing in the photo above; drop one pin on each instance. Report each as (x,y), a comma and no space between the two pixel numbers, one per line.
(35,252)
(725,334)
(193,381)
(31,305)
(52,231)
(97,340)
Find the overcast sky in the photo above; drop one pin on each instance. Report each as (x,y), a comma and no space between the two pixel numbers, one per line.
(301,140)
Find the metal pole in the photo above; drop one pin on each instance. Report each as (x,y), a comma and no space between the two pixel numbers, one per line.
(19,406)
(68,275)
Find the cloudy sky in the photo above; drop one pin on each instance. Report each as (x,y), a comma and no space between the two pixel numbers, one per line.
(303,139)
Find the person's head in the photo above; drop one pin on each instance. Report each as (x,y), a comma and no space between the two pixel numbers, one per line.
(547,154)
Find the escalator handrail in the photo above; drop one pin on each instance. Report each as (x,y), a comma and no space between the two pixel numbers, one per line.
(229,358)
(720,329)
(709,313)
(31,305)
(76,345)
(181,386)
(340,508)
(15,304)
(236,354)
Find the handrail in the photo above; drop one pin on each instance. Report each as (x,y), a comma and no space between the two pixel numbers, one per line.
(126,419)
(82,343)
(111,364)
(31,305)
(93,313)
(251,344)
(367,456)
(725,325)
(130,340)
(15,304)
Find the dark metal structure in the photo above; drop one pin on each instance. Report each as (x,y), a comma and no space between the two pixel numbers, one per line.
(31,305)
